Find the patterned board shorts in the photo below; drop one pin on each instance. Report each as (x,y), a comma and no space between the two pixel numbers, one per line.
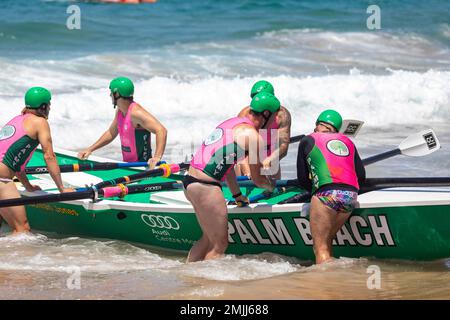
(342,201)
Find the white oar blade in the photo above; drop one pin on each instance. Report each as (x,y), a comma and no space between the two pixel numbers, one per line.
(351,127)
(420,144)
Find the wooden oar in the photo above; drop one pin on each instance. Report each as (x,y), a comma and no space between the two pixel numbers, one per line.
(416,145)
(94,191)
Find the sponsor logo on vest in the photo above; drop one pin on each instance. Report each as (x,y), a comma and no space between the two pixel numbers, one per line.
(214,136)
(161,222)
(7,132)
(338,148)
(21,154)
(430,140)
(358,231)
(126,148)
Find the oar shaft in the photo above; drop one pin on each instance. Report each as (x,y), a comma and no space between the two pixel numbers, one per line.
(295,139)
(121,191)
(381,156)
(372,184)
(141,175)
(76,167)
(68,196)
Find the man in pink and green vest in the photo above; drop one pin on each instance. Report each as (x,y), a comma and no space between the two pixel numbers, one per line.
(19,139)
(329,166)
(134,124)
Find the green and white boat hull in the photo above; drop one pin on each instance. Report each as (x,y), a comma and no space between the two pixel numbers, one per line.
(396,223)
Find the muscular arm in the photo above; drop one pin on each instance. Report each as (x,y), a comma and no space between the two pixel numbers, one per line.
(45,139)
(249,139)
(147,121)
(24,180)
(284,133)
(304,148)
(232,182)
(106,138)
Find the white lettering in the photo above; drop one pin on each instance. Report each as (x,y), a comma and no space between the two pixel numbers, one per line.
(374,20)
(243,232)
(374,281)
(354,221)
(74,20)
(344,235)
(379,230)
(303,227)
(279,233)
(258,236)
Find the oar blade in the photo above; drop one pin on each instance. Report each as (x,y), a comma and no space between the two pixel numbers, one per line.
(420,144)
(351,127)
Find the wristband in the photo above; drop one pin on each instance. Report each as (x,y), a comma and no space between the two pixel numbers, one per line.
(237,195)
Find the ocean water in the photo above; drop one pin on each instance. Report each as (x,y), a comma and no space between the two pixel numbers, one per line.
(193,64)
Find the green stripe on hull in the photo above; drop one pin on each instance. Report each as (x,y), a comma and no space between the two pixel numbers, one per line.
(413,233)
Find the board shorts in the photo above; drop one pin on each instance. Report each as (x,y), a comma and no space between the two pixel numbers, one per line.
(342,201)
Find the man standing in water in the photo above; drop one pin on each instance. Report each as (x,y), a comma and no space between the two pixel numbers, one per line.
(214,162)
(329,166)
(18,141)
(134,124)
(275,132)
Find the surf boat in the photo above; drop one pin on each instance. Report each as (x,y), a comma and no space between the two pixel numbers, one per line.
(404,222)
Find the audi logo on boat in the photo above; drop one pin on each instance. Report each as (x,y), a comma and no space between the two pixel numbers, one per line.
(161,222)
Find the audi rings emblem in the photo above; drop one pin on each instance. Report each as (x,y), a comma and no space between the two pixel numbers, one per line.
(161,222)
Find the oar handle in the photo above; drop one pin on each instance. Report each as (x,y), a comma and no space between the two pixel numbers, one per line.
(381,156)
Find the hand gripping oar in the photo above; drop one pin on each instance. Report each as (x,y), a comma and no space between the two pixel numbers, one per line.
(349,127)
(77,167)
(416,145)
(96,190)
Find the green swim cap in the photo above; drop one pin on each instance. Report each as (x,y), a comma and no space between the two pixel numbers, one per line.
(123,86)
(265,101)
(36,97)
(261,86)
(331,117)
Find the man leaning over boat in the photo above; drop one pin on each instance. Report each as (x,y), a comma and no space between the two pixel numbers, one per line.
(19,139)
(329,167)
(275,131)
(214,162)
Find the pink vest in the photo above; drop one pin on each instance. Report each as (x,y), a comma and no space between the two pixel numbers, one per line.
(339,155)
(135,142)
(219,153)
(16,147)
